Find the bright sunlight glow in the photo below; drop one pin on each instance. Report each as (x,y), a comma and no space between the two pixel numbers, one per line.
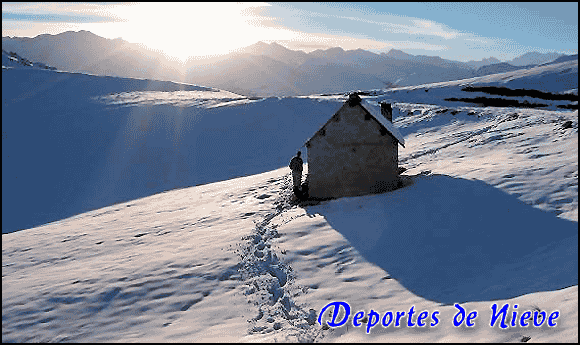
(190,29)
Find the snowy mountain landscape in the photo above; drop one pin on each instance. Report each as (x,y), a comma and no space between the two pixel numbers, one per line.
(261,69)
(149,210)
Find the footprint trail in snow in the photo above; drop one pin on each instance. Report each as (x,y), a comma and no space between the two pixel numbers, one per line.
(270,282)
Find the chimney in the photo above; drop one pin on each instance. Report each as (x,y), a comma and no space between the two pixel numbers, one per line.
(387,111)
(353,99)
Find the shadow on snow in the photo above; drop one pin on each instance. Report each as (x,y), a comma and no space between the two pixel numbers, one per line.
(63,153)
(456,240)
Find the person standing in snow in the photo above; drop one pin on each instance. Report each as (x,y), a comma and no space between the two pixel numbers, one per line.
(296,167)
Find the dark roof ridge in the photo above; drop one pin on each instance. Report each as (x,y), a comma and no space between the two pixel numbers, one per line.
(354,100)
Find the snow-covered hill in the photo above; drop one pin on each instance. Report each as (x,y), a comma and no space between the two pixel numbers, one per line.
(562,59)
(11,60)
(539,87)
(501,67)
(75,142)
(488,214)
(534,58)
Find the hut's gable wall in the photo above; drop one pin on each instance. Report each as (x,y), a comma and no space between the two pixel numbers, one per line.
(351,156)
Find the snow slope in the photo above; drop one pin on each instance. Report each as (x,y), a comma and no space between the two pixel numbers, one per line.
(234,261)
(488,214)
(551,79)
(76,142)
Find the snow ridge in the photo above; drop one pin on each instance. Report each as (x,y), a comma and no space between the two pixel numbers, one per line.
(12,60)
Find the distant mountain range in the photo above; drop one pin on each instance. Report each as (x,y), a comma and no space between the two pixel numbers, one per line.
(483,62)
(261,69)
(533,58)
(84,51)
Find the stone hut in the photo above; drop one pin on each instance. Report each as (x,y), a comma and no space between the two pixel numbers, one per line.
(355,152)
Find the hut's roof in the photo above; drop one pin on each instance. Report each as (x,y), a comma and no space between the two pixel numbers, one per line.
(375,112)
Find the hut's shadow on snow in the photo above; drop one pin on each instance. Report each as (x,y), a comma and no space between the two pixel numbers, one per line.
(456,240)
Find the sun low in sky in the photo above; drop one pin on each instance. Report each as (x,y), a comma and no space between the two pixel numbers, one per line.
(458,31)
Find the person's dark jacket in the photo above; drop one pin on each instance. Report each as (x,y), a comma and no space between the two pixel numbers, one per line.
(296,164)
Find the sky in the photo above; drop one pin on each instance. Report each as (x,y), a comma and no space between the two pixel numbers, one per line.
(459,31)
